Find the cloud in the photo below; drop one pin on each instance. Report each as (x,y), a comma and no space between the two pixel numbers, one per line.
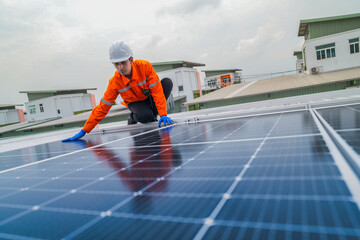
(187,7)
(48,44)
(33,26)
(265,37)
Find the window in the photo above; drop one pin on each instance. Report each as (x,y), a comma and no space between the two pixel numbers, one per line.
(32,109)
(212,82)
(226,80)
(354,45)
(181,88)
(41,107)
(325,51)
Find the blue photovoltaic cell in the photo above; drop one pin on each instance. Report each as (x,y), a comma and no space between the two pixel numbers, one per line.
(322,213)
(19,157)
(292,187)
(182,206)
(128,228)
(216,187)
(352,137)
(44,224)
(295,123)
(233,232)
(346,121)
(88,201)
(263,177)
(122,185)
(62,184)
(340,118)
(29,197)
(7,212)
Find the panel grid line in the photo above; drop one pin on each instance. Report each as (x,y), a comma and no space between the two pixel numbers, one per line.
(347,172)
(71,153)
(215,212)
(216,180)
(62,195)
(140,192)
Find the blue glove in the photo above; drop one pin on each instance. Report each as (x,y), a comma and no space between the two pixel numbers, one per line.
(166,120)
(76,136)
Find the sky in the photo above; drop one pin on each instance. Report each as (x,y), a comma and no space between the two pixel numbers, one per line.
(63,44)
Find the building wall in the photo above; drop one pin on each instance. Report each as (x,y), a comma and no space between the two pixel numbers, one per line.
(57,106)
(185,77)
(36,115)
(343,57)
(9,116)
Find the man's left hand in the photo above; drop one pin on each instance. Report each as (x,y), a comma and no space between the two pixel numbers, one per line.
(166,120)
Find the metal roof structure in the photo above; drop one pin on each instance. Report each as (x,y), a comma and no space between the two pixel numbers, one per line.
(59,91)
(39,94)
(9,106)
(303,26)
(288,82)
(164,66)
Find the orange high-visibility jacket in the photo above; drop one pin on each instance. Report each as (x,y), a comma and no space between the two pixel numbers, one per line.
(143,77)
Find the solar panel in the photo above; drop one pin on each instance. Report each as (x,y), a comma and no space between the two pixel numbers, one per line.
(346,121)
(276,175)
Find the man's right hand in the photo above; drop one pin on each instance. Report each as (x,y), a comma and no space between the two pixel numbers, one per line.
(76,136)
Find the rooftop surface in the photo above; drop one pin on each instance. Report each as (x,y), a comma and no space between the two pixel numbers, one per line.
(270,85)
(279,171)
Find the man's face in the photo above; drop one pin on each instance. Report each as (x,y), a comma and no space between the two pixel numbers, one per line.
(124,68)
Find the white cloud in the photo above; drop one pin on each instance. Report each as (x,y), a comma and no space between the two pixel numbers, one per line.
(186,7)
(265,36)
(49,44)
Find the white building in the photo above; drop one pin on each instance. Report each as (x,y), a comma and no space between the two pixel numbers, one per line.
(220,78)
(51,104)
(9,114)
(185,80)
(331,43)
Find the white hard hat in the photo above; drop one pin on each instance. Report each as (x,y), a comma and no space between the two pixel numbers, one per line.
(119,51)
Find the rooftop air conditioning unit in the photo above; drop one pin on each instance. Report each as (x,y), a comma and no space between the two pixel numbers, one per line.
(314,70)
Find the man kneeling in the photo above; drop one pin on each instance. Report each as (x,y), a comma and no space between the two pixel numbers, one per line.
(138,85)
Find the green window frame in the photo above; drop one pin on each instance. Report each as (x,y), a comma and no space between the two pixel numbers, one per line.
(354,45)
(32,109)
(325,51)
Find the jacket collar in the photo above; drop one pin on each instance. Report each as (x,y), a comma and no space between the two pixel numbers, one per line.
(135,76)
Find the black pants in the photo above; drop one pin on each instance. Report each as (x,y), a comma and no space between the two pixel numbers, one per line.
(145,111)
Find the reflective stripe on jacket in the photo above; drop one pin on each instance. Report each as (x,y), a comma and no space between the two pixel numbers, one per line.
(143,77)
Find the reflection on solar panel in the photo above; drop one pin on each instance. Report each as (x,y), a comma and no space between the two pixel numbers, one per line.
(280,175)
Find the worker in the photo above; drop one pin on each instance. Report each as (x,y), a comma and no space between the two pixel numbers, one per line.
(138,85)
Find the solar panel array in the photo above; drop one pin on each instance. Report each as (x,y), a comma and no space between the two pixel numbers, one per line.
(269,176)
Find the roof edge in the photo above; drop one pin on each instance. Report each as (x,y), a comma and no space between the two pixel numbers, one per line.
(304,23)
(58,90)
(194,64)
